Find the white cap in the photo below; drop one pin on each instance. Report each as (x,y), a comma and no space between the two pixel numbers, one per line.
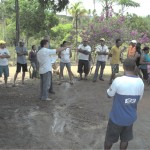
(134,41)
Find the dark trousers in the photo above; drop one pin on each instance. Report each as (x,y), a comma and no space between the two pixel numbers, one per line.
(98,65)
(83,66)
(51,85)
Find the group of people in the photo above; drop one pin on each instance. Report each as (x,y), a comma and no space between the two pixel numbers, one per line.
(123,113)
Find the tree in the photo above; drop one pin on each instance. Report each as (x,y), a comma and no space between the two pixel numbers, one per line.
(77,11)
(127,3)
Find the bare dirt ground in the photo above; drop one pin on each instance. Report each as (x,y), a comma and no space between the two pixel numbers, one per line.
(75,119)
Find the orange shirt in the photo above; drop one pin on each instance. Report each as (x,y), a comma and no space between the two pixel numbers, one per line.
(131,51)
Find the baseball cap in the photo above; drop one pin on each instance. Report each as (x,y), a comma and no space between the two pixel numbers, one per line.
(2,42)
(102,39)
(134,41)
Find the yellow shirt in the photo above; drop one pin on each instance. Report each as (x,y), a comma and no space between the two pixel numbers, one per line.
(115,51)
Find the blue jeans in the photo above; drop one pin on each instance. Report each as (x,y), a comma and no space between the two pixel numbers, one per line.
(45,84)
(98,65)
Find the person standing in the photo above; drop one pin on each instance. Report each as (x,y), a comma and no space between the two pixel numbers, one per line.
(33,61)
(132,49)
(4,55)
(124,109)
(115,59)
(65,61)
(45,67)
(102,55)
(84,51)
(21,61)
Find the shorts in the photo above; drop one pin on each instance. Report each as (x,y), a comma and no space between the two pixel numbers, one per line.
(115,68)
(5,70)
(115,131)
(83,66)
(62,65)
(23,66)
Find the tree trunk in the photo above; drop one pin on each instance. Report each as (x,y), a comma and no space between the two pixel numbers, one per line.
(76,38)
(17,22)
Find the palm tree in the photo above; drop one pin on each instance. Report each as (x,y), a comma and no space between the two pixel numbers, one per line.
(127,3)
(77,11)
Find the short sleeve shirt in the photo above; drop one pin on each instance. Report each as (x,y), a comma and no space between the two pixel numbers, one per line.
(65,56)
(100,48)
(86,48)
(127,91)
(115,51)
(21,59)
(44,59)
(4,61)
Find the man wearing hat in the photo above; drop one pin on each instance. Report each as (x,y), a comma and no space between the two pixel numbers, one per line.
(84,51)
(102,55)
(132,49)
(21,61)
(4,54)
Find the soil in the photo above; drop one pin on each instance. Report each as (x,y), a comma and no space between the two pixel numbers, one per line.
(76,118)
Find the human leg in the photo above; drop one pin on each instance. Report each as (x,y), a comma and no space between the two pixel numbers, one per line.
(80,70)
(86,68)
(17,71)
(68,65)
(96,71)
(34,70)
(6,74)
(102,64)
(112,135)
(62,65)
(114,69)
(45,85)
(123,145)
(24,70)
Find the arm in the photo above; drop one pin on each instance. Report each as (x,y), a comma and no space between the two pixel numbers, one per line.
(5,56)
(102,53)
(112,90)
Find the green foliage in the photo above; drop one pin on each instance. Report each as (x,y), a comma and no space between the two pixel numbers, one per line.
(61,32)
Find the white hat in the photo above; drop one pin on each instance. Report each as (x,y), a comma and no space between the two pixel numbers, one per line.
(134,41)
(102,39)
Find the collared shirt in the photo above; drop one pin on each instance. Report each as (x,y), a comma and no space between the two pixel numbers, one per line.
(44,59)
(100,48)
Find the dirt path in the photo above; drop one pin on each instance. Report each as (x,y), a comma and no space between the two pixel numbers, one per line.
(75,119)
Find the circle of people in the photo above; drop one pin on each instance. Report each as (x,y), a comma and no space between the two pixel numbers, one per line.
(43,61)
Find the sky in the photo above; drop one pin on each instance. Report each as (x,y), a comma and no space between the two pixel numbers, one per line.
(143,10)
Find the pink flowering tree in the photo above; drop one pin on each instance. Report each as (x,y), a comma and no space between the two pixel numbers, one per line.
(111,29)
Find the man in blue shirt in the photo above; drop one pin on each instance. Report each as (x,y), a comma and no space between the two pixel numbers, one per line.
(127,91)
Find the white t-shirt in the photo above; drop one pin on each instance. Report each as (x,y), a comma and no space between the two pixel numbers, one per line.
(100,48)
(65,56)
(44,59)
(81,55)
(4,61)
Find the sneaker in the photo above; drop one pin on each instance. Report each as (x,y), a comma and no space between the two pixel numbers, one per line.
(48,99)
